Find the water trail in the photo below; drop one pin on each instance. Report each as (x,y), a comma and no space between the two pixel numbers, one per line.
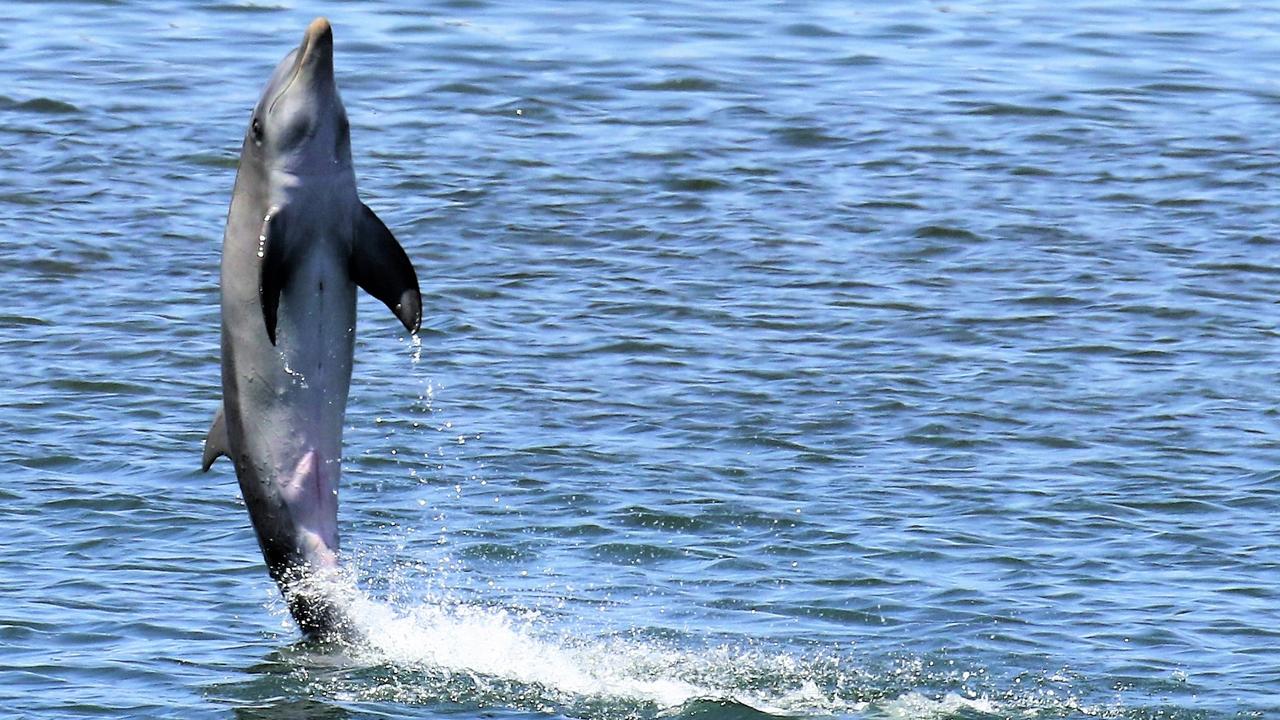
(444,650)
(415,345)
(504,646)
(428,651)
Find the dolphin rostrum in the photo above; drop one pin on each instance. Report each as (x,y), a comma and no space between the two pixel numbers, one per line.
(298,241)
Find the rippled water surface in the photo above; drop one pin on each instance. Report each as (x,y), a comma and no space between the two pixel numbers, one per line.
(820,359)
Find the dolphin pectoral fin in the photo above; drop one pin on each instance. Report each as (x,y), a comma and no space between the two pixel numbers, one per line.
(380,266)
(216,442)
(274,269)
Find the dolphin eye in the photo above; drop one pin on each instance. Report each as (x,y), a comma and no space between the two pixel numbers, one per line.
(257,131)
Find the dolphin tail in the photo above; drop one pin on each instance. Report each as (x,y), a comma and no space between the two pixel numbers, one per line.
(215,443)
(380,266)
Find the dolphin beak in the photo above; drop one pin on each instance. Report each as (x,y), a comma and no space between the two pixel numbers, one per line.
(316,50)
(312,61)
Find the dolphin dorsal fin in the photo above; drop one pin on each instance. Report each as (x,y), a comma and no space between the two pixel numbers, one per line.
(380,266)
(216,442)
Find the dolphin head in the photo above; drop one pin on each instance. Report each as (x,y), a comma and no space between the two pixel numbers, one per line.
(299,125)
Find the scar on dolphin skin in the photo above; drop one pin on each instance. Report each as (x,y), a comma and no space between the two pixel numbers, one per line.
(298,242)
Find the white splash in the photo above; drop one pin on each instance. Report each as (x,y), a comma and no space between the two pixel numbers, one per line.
(493,647)
(501,644)
(427,651)
(915,706)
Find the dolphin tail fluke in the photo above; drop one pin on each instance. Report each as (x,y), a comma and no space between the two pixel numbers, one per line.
(381,267)
(215,443)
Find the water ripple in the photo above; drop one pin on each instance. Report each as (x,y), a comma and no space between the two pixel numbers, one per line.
(874,361)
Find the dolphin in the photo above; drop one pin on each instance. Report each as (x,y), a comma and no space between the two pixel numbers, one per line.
(297,243)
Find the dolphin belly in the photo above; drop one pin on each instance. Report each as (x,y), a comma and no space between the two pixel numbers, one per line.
(291,411)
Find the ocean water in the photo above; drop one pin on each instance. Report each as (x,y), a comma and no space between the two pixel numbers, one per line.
(813,359)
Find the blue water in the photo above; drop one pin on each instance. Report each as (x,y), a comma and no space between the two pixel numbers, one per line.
(818,359)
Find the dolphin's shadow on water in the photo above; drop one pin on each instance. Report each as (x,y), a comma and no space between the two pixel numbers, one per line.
(301,680)
(286,684)
(293,709)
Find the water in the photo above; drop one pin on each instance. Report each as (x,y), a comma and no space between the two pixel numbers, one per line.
(857,360)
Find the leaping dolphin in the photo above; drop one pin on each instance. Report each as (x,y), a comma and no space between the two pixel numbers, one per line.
(298,241)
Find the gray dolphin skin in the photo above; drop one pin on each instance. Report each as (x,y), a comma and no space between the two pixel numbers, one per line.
(298,241)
